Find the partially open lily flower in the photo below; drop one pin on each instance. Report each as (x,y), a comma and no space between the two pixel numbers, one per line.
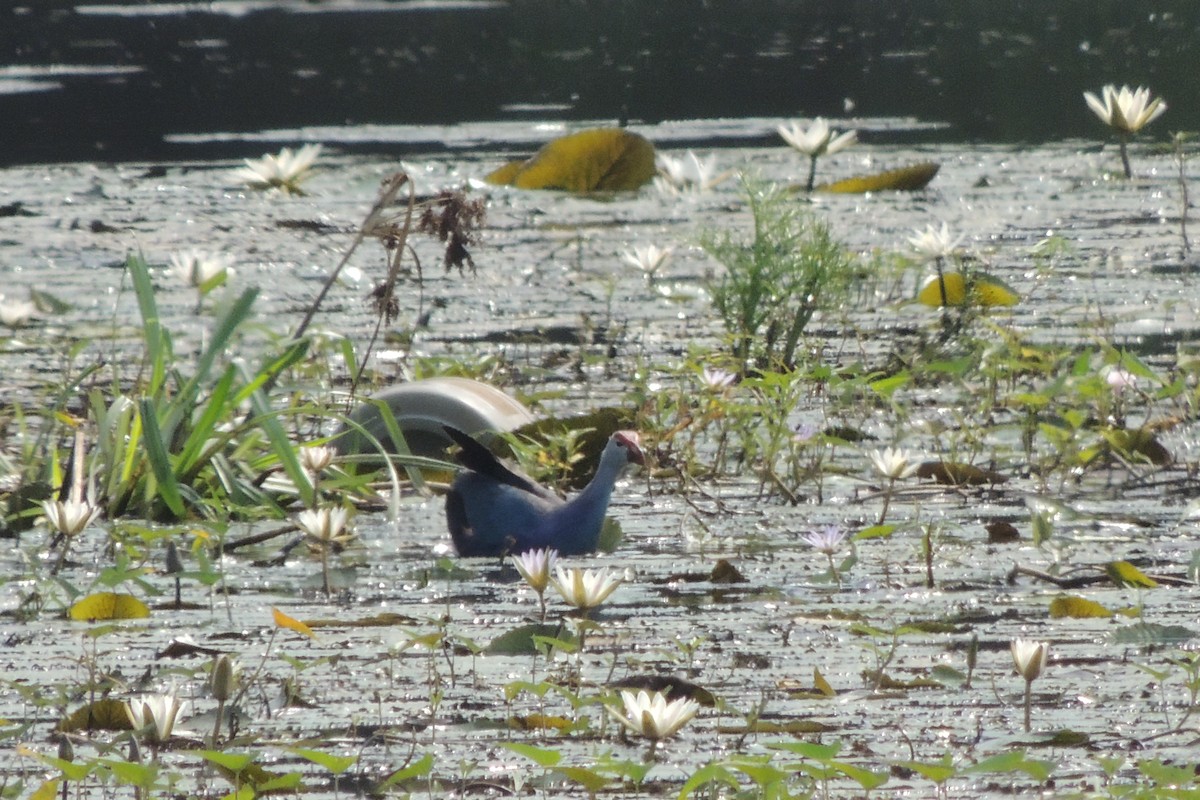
(818,139)
(200,269)
(325,526)
(535,566)
(648,259)
(16,313)
(893,463)
(584,588)
(1125,110)
(316,459)
(285,171)
(69,517)
(649,714)
(1029,657)
(687,175)
(154,715)
(717,380)
(933,243)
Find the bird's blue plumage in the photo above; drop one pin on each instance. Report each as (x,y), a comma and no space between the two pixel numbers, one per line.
(492,511)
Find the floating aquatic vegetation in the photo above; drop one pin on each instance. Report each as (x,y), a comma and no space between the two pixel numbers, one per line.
(597,160)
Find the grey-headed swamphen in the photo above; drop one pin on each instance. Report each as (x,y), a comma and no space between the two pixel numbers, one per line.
(493,511)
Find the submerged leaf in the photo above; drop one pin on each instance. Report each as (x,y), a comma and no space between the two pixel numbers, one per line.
(953,473)
(1146,634)
(904,179)
(601,159)
(102,715)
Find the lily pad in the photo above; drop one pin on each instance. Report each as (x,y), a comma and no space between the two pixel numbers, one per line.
(952,473)
(600,159)
(905,179)
(108,605)
(952,289)
(1077,608)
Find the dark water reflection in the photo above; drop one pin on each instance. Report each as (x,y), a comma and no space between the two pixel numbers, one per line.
(1005,71)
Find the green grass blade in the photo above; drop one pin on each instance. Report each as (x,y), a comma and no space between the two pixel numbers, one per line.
(281,445)
(216,408)
(160,461)
(154,337)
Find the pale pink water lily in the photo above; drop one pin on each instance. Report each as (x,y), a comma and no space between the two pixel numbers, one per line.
(284,171)
(585,588)
(826,540)
(1119,379)
(651,715)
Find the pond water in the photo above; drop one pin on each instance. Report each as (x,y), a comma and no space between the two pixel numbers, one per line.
(1097,261)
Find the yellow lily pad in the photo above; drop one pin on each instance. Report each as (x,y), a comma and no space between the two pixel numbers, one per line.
(108,605)
(1127,575)
(905,179)
(1077,608)
(600,159)
(985,291)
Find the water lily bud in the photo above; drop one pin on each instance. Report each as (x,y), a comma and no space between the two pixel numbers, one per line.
(66,752)
(224,678)
(1029,657)
(174,563)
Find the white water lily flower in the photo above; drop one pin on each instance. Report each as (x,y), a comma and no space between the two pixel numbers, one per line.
(648,259)
(69,517)
(893,463)
(717,379)
(316,459)
(933,243)
(324,525)
(284,171)
(535,566)
(649,714)
(16,313)
(687,175)
(198,268)
(818,139)
(1125,110)
(1029,657)
(154,715)
(585,588)
(827,540)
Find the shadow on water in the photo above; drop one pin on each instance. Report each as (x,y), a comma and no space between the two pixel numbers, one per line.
(247,66)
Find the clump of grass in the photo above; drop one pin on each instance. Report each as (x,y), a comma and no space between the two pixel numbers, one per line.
(775,281)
